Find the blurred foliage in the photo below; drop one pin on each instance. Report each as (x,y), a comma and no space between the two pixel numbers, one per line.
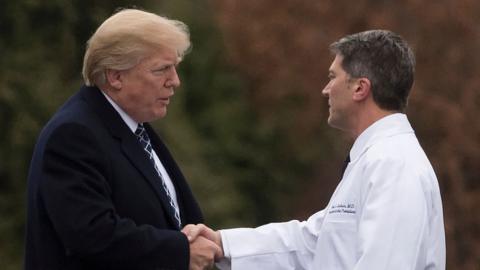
(248,125)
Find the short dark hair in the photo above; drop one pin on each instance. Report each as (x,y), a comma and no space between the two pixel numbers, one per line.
(385,59)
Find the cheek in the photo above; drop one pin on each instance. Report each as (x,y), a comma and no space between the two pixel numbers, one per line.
(333,91)
(153,82)
(134,99)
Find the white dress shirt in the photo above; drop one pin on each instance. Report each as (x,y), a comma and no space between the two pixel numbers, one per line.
(386,213)
(132,124)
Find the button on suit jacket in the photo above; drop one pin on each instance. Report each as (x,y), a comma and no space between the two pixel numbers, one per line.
(94,200)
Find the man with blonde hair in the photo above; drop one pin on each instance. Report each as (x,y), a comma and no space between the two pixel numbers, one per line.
(103,190)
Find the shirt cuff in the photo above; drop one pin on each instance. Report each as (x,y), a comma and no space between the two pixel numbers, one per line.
(225,263)
(225,246)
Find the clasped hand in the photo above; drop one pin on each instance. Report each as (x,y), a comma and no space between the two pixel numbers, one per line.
(205,246)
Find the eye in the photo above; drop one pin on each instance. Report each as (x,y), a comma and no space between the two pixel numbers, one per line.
(162,69)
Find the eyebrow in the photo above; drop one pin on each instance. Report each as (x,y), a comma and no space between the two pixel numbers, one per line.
(165,62)
(162,63)
(159,65)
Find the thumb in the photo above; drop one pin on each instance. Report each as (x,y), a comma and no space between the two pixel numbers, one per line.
(191,232)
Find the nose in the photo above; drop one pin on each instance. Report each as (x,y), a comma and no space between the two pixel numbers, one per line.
(173,80)
(326,90)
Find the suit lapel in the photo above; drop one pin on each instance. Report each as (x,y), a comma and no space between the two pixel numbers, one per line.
(134,152)
(170,166)
(131,148)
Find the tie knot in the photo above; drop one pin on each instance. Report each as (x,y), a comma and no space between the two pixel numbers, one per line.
(345,164)
(140,130)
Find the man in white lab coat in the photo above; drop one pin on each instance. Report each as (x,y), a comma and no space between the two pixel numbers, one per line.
(386,212)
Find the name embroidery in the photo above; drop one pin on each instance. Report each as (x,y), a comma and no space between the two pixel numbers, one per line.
(348,208)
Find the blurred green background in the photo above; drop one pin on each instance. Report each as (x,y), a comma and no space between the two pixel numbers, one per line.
(248,125)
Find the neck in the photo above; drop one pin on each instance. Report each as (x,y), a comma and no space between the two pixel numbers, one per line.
(366,116)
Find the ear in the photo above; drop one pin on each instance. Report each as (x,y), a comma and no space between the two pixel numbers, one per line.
(362,89)
(114,78)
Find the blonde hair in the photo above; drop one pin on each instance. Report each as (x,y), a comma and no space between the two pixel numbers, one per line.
(126,38)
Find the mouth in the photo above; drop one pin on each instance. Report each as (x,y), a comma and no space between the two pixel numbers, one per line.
(165,101)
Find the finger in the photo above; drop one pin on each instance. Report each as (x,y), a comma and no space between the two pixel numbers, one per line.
(191,231)
(200,230)
(187,226)
(205,231)
(217,251)
(210,264)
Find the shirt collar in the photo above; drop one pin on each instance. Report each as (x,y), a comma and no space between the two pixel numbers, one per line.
(387,126)
(132,124)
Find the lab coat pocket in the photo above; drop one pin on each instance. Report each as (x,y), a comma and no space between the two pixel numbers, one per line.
(342,228)
(338,242)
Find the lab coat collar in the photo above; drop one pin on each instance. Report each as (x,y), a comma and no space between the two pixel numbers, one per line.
(385,127)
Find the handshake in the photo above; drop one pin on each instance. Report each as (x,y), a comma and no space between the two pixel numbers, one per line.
(205,246)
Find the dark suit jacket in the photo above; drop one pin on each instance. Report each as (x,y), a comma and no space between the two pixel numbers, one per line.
(94,198)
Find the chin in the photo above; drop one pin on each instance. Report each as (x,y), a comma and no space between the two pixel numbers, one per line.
(333,123)
(330,121)
(155,116)
(161,114)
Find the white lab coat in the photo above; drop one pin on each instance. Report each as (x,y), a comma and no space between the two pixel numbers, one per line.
(386,213)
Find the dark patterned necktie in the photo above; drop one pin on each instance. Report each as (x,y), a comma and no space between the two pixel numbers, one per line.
(147,147)
(345,164)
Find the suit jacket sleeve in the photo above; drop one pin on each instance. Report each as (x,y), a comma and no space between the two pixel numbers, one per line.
(77,197)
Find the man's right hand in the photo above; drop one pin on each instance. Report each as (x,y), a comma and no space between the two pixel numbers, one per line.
(202,253)
(194,231)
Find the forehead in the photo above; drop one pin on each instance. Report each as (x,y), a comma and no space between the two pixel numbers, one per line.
(336,65)
(160,57)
